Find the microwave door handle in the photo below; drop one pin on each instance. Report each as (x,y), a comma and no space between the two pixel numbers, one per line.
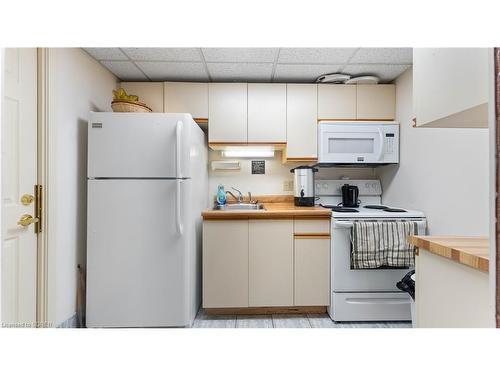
(380,144)
(350,224)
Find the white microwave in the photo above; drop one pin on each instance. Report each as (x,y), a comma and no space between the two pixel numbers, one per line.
(358,142)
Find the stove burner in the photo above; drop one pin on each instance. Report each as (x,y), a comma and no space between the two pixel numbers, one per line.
(394,210)
(375,207)
(384,208)
(343,209)
(338,208)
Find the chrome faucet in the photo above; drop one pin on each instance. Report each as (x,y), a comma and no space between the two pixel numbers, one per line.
(239,199)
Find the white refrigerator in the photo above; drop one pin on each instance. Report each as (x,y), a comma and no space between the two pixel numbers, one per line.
(147,185)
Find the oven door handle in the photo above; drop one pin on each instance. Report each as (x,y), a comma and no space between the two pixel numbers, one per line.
(343,224)
(376,301)
(350,224)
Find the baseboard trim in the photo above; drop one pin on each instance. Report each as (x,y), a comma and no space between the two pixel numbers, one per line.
(266,310)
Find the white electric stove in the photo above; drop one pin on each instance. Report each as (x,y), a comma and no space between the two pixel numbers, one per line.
(371,294)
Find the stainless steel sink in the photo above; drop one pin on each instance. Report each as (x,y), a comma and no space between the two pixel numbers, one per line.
(240,206)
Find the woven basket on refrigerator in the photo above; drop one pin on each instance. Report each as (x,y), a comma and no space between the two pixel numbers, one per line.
(121,105)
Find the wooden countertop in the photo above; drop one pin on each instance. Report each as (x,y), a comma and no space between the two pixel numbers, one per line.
(275,207)
(470,251)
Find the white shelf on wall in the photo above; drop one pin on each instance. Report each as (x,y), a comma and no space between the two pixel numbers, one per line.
(226,165)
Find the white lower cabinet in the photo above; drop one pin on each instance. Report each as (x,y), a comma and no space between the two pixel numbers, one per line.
(225,263)
(270,268)
(262,263)
(450,295)
(312,271)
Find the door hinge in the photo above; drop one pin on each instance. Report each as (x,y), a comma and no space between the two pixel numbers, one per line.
(38,208)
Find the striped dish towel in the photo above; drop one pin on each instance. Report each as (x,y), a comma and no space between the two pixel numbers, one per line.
(382,244)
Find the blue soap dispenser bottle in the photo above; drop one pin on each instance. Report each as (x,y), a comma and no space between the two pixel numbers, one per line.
(221,195)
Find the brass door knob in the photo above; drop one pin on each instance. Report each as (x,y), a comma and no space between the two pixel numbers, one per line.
(26,220)
(27,199)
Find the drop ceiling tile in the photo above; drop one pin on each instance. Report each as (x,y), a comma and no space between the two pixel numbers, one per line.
(257,55)
(383,56)
(315,55)
(163,54)
(303,73)
(125,70)
(246,72)
(106,53)
(386,73)
(174,71)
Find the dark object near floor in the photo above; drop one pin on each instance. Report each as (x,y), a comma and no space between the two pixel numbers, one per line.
(407,284)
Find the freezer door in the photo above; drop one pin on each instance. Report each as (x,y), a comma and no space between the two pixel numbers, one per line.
(138,254)
(138,145)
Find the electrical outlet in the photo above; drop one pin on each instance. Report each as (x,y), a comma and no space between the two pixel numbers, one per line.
(288,185)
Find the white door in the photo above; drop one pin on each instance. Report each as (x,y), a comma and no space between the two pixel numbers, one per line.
(137,253)
(19,158)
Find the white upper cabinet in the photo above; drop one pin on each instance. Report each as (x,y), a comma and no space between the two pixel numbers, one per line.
(450,87)
(187,97)
(267,113)
(356,102)
(375,102)
(150,93)
(227,112)
(301,125)
(336,102)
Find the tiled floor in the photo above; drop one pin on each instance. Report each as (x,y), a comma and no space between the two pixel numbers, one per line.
(284,321)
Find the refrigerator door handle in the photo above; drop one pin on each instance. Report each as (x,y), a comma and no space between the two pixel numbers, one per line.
(178,221)
(178,148)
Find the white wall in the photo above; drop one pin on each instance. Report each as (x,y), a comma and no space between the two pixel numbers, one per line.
(443,172)
(77,85)
(270,183)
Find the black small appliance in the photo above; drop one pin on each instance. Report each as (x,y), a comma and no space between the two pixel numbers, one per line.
(350,195)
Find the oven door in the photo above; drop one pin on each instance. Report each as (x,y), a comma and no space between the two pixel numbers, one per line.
(358,144)
(345,279)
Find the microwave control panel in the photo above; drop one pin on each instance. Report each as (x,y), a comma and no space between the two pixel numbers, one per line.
(389,143)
